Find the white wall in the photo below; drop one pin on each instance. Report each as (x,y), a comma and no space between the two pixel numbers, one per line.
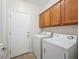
(4,22)
(49,4)
(71,29)
(0,20)
(28,8)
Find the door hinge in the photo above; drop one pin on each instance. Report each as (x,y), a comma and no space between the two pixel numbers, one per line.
(44,50)
(64,55)
(9,33)
(10,16)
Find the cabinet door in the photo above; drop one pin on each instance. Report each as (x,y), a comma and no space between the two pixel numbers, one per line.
(62,12)
(70,11)
(41,20)
(47,17)
(55,15)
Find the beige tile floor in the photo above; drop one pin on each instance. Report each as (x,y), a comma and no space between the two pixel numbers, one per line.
(25,56)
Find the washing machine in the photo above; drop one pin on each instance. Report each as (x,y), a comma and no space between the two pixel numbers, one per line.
(60,46)
(37,43)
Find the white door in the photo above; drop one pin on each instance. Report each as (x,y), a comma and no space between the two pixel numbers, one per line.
(20,33)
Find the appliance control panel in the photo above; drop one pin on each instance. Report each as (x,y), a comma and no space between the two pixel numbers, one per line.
(64,36)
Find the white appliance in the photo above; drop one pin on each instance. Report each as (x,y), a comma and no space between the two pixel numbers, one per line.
(4,54)
(1,52)
(37,43)
(60,46)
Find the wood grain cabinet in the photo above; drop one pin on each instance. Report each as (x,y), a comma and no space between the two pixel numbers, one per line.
(41,20)
(70,8)
(55,15)
(45,18)
(64,12)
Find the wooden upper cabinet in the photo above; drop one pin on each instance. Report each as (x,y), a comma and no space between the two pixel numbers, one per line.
(55,15)
(62,13)
(70,11)
(41,20)
(47,17)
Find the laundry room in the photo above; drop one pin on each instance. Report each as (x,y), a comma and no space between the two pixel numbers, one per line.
(38,29)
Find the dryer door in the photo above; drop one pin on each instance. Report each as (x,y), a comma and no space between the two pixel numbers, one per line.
(51,51)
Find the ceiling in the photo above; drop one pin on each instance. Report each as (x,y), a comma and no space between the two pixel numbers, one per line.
(40,3)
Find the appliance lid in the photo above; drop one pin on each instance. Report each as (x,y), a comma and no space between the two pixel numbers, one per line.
(40,36)
(62,40)
(43,35)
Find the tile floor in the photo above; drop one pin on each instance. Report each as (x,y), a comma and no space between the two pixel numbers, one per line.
(25,56)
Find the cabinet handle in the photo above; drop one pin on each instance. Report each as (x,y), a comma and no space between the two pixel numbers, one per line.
(64,55)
